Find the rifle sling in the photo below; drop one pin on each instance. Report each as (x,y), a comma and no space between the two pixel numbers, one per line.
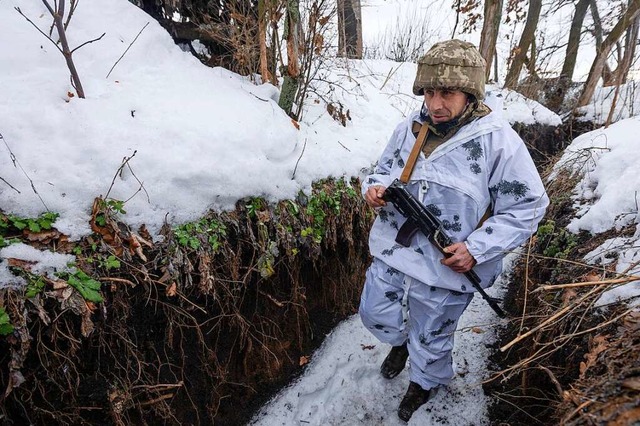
(409,229)
(415,152)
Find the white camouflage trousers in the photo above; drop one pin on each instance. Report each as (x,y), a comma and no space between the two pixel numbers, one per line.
(397,308)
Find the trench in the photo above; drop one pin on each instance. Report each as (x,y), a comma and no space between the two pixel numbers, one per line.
(201,331)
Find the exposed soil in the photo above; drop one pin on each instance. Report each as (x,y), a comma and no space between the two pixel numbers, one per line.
(194,332)
(577,369)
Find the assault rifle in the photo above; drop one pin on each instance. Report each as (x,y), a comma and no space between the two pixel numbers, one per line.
(419,218)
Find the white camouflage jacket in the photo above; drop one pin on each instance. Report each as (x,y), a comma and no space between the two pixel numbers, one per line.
(484,163)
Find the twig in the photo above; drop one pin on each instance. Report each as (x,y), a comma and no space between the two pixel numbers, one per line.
(158,399)
(17,163)
(118,280)
(10,186)
(141,188)
(124,163)
(127,49)
(549,320)
(389,75)
(344,146)
(72,8)
(89,42)
(39,30)
(159,386)
(587,283)
(66,52)
(577,410)
(296,166)
(555,381)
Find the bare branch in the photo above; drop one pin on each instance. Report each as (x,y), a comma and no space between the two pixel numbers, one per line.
(10,186)
(16,163)
(39,30)
(88,42)
(74,4)
(125,52)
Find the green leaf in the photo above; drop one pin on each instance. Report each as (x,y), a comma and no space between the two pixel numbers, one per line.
(5,323)
(86,286)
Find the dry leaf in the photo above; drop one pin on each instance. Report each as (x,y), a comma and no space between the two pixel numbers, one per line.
(367,347)
(295,124)
(477,330)
(70,94)
(86,327)
(171,290)
(598,344)
(304,360)
(90,305)
(20,263)
(592,277)
(43,236)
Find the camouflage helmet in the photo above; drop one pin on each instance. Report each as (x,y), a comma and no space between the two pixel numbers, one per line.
(452,64)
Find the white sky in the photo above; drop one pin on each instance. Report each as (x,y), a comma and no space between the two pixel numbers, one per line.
(204,138)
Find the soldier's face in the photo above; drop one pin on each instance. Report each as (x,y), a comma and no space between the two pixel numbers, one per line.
(444,104)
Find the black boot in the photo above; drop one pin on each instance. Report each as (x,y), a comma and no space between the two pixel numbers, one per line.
(394,363)
(413,399)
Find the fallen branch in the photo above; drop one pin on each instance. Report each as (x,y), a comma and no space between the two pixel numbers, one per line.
(549,320)
(588,283)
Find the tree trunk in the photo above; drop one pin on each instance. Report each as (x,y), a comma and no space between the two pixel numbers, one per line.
(349,29)
(598,34)
(528,34)
(489,35)
(556,96)
(573,44)
(264,8)
(619,75)
(292,71)
(595,72)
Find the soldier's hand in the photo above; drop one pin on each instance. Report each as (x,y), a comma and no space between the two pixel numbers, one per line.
(460,260)
(373,196)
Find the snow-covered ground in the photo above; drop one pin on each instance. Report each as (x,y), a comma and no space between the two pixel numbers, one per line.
(342,385)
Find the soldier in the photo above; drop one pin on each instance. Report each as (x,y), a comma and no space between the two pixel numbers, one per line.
(472,162)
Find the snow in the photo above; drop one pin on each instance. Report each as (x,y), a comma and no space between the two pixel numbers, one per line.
(196,138)
(342,385)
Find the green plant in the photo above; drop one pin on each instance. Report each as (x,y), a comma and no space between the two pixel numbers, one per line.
(108,207)
(189,234)
(555,242)
(35,284)
(4,242)
(254,205)
(43,222)
(110,262)
(86,286)
(5,323)
(322,202)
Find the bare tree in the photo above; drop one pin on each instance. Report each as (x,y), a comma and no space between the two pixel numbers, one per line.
(526,40)
(598,33)
(489,34)
(627,19)
(626,54)
(557,93)
(350,29)
(60,25)
(571,53)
